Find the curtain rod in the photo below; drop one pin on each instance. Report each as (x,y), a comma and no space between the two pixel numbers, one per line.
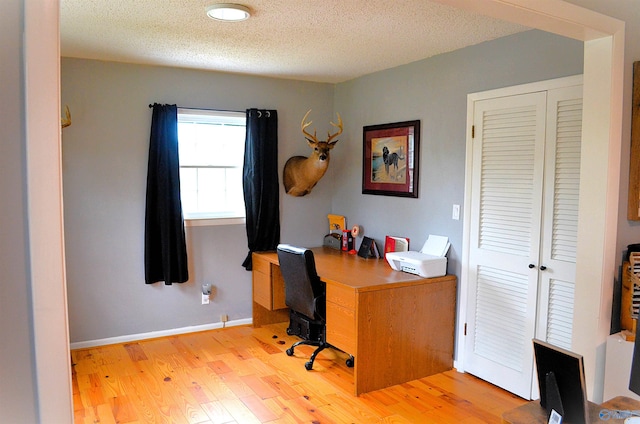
(204,108)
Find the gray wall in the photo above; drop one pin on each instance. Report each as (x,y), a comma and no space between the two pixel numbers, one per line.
(18,401)
(105,154)
(435,92)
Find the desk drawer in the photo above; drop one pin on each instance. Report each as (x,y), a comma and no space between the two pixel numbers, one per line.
(341,317)
(268,285)
(341,327)
(262,293)
(260,264)
(341,295)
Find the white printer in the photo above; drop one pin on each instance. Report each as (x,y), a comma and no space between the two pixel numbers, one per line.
(430,261)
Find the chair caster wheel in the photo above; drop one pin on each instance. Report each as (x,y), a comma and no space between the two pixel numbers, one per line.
(289,331)
(350,362)
(308,365)
(289,352)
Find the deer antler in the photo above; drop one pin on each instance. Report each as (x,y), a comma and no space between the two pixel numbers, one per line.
(338,126)
(304,126)
(66,121)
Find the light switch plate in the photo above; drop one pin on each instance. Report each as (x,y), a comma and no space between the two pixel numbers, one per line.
(455,214)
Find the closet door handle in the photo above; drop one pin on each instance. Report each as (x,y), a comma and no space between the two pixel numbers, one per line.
(531,266)
(542,267)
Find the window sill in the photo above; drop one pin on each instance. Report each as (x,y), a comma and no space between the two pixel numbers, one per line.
(209,222)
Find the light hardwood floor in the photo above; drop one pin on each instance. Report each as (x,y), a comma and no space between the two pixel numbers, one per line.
(243,375)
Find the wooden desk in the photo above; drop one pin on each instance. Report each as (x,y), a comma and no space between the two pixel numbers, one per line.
(533,413)
(398,326)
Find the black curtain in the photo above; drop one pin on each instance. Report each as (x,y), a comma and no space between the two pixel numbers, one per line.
(260,182)
(165,251)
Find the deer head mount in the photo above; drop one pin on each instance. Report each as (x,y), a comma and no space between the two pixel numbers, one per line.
(302,173)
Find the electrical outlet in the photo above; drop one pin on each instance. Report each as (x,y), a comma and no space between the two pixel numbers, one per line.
(224,318)
(205,299)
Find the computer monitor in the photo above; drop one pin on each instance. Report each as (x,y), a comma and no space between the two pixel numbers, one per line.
(561,382)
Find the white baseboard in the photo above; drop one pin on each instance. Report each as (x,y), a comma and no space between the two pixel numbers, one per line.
(156,334)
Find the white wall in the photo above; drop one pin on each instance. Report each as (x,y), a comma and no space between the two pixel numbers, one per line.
(35,373)
(17,385)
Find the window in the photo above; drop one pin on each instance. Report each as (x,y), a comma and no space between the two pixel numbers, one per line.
(211,149)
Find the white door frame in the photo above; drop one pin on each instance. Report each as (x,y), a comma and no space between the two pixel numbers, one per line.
(45,211)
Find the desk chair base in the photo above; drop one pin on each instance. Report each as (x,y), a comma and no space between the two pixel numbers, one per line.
(312,333)
(321,346)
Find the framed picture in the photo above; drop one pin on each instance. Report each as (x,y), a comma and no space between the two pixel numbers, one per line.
(391,154)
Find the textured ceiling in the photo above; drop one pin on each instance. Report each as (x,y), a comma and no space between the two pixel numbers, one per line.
(323,40)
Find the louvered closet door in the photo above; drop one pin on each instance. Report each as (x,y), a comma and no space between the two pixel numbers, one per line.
(506,205)
(560,219)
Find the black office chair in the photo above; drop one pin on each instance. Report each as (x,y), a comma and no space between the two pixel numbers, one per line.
(305,297)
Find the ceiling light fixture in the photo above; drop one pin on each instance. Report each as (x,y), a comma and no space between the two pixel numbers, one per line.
(228,12)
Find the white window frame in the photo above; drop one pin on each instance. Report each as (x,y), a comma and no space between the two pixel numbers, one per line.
(199,115)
